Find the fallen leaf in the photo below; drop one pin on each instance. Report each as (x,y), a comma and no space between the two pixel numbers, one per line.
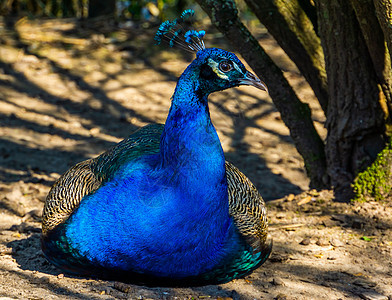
(290,197)
(247,281)
(305,200)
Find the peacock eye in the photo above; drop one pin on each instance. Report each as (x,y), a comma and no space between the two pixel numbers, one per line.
(225,66)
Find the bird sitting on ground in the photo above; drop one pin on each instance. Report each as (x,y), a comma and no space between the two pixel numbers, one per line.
(163,207)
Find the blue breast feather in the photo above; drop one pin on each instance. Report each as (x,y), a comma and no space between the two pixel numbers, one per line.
(169,220)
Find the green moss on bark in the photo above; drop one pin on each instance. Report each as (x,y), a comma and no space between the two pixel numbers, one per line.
(375,182)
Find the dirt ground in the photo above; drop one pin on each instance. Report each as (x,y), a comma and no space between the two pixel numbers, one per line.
(69,92)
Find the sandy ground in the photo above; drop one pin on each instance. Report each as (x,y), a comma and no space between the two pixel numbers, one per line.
(67,94)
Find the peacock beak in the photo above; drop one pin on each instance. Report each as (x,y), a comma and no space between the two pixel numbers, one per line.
(253,80)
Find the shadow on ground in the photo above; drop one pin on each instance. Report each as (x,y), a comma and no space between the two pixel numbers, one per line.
(95,110)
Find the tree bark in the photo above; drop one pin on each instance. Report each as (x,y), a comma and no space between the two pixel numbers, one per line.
(295,114)
(377,48)
(355,120)
(311,12)
(384,15)
(294,32)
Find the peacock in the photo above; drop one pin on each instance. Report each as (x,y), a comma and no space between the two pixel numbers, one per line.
(163,207)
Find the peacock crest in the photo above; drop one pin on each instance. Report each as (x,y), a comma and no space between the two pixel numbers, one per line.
(179,33)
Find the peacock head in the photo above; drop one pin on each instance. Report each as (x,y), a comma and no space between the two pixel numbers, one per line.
(215,68)
(220,70)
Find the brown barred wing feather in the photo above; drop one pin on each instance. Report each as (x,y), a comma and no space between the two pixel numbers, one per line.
(247,208)
(66,194)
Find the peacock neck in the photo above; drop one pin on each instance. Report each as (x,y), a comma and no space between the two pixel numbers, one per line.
(189,140)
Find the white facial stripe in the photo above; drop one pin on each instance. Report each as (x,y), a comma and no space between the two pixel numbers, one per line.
(214,66)
(237,67)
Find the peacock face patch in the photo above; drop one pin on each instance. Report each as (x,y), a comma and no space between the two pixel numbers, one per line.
(223,67)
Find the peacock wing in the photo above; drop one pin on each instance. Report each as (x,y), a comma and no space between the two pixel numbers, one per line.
(247,208)
(87,176)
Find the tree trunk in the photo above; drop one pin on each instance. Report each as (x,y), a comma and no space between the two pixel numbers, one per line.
(311,12)
(98,8)
(67,8)
(355,119)
(295,114)
(55,8)
(384,15)
(294,32)
(377,48)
